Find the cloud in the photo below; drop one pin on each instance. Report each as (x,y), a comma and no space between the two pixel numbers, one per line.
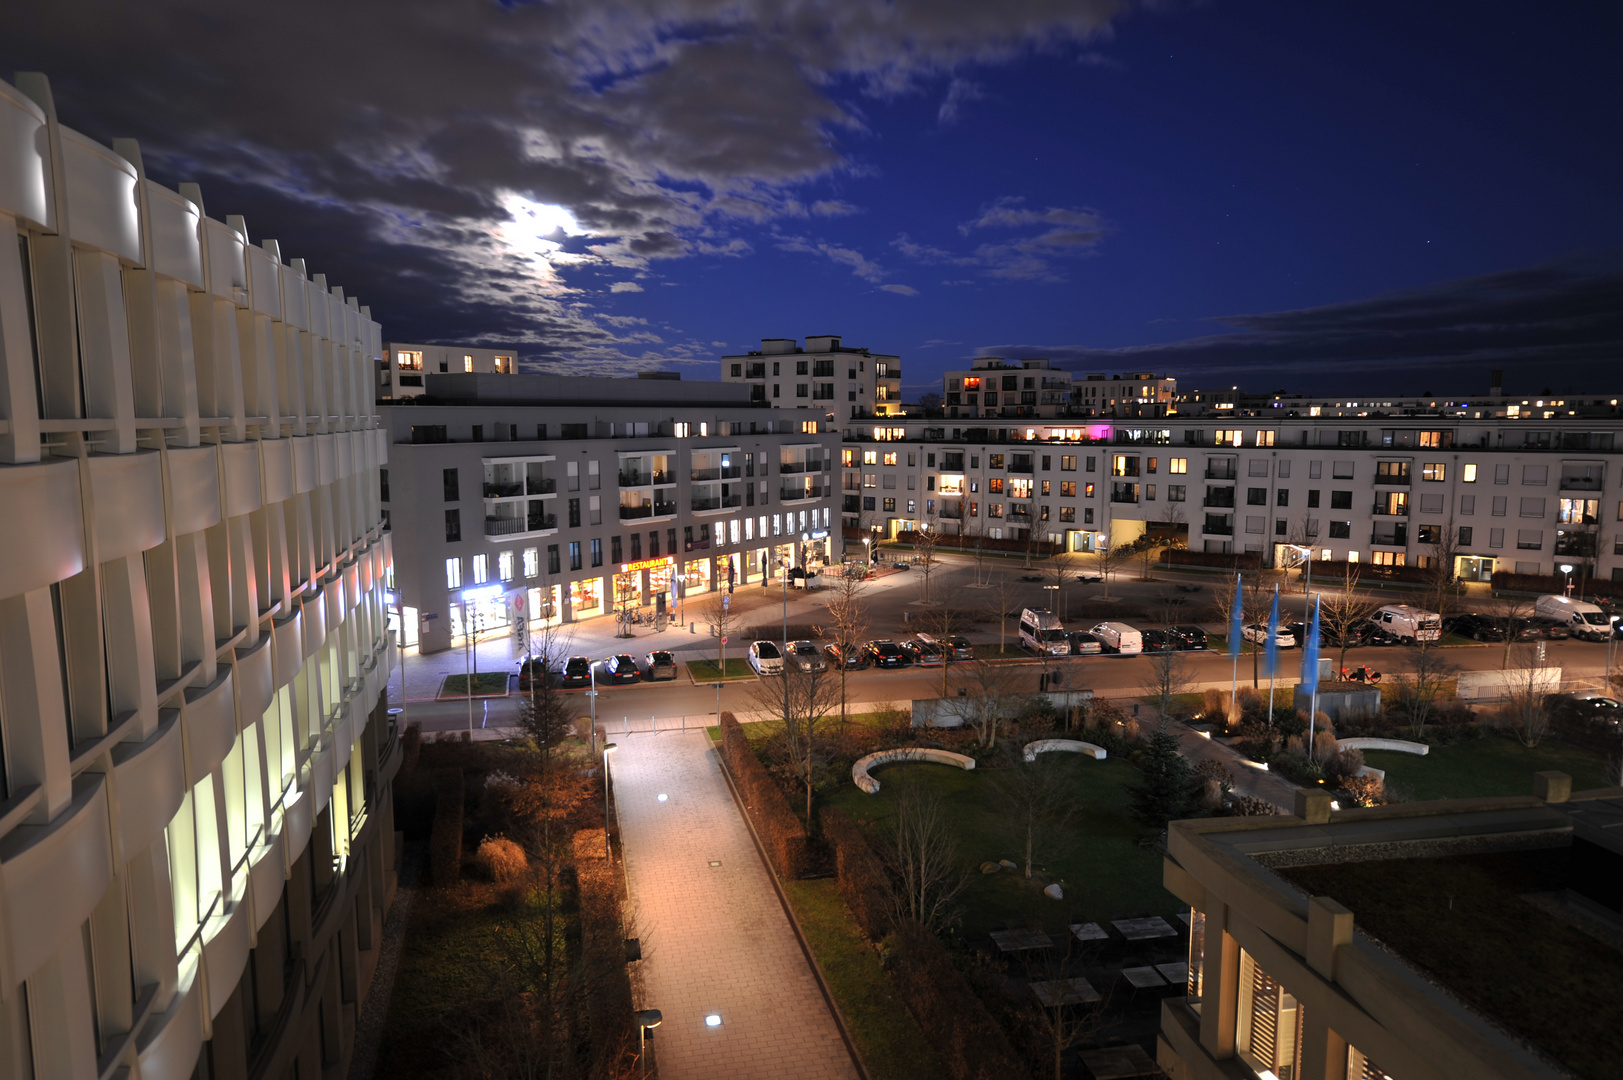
(862,266)
(483,154)
(1054,232)
(625,286)
(1556,323)
(959,91)
(900,290)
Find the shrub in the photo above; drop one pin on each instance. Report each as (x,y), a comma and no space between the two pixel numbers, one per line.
(411,749)
(1365,790)
(859,873)
(1250,806)
(445,841)
(602,974)
(1343,766)
(501,860)
(787,845)
(969,1042)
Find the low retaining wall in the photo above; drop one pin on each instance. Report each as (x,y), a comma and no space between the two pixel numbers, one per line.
(859,771)
(1070,746)
(941,712)
(1400,745)
(1341,704)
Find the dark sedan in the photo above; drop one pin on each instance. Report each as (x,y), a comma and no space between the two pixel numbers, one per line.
(535,668)
(1158,641)
(855,658)
(1473,626)
(577,672)
(922,653)
(1193,637)
(661,666)
(622,669)
(885,653)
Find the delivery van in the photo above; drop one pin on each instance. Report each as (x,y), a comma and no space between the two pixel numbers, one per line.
(1118,637)
(1407,623)
(1042,632)
(1581,618)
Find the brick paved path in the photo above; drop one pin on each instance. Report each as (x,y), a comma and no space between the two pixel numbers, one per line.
(716,939)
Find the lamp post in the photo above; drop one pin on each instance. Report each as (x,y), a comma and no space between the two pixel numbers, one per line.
(646,1020)
(608,851)
(1566,568)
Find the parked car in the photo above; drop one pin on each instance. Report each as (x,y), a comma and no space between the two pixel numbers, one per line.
(854,659)
(1084,644)
(1192,637)
(1581,618)
(1473,626)
(534,668)
(765,657)
(1158,641)
(1042,632)
(1118,637)
(622,669)
(661,666)
(1258,634)
(1550,629)
(885,653)
(956,647)
(922,653)
(806,656)
(1408,624)
(1524,630)
(577,671)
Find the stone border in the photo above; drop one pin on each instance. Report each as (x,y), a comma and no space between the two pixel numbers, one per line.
(1400,745)
(1072,746)
(859,771)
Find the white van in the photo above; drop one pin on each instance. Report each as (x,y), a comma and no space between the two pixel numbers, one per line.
(1408,623)
(1581,618)
(1041,631)
(1118,637)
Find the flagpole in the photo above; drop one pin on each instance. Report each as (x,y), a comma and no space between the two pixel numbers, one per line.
(1313,699)
(1273,629)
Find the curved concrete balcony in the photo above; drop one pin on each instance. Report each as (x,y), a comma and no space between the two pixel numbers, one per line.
(289,635)
(254,680)
(210,719)
(149,779)
(52,875)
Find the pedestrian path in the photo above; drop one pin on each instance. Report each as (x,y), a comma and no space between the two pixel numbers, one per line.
(716,941)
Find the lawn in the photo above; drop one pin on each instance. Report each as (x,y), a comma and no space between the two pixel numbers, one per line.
(705,670)
(1104,873)
(1493,765)
(891,1044)
(485,684)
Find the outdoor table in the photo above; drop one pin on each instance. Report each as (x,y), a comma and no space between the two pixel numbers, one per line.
(1020,940)
(1143,978)
(1065,992)
(1176,974)
(1090,932)
(1118,1062)
(1144,929)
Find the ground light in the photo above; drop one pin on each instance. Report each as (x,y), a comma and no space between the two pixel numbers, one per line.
(663,796)
(713,1020)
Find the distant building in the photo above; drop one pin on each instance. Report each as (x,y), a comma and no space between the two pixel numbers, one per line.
(1035,389)
(404,364)
(844,382)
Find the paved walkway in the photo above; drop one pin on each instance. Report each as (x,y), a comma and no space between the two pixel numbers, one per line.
(715,938)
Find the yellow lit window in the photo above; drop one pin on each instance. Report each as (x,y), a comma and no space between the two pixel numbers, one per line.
(1177,465)
(1469,474)
(467,363)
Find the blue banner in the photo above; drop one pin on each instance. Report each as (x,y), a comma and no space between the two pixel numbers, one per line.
(1235,620)
(1271,657)
(1310,656)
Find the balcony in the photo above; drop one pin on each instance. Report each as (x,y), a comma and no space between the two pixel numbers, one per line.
(1218,473)
(1398,537)
(648,510)
(1221,499)
(801,494)
(755,371)
(1580,483)
(724,502)
(511,526)
(1124,493)
(1393,480)
(1391,510)
(731,472)
(502,491)
(790,467)
(1214,529)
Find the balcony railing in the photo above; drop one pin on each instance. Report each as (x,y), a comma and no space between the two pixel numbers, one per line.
(1387,510)
(1219,474)
(1580,483)
(1213,529)
(658,509)
(755,371)
(722,503)
(799,494)
(507,526)
(1398,538)
(636,479)
(1393,480)
(544,486)
(1219,500)
(502,491)
(731,472)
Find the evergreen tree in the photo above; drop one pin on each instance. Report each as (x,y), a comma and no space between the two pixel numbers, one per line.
(1169,789)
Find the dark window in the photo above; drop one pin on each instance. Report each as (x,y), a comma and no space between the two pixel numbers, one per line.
(738,371)
(453,526)
(383,484)
(800,367)
(1256,496)
(574,514)
(1048,463)
(597,552)
(636,547)
(890,506)
(1279,527)
(1465,535)
(1089,465)
(512,433)
(553,565)
(1431,534)
(1341,500)
(478,433)
(670,541)
(653,545)
(615,555)
(541,432)
(451,486)
(1313,497)
(867,502)
(574,554)
(1284,496)
(687,537)
(573,431)
(1340,530)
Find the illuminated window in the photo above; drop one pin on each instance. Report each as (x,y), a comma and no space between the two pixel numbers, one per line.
(1434,471)
(453,573)
(481,568)
(532,562)
(682,429)
(1177,465)
(890,457)
(504,365)
(1468,474)
(409,361)
(870,457)
(848,458)
(1264,438)
(467,363)
(1067,463)
(1269,1033)
(504,566)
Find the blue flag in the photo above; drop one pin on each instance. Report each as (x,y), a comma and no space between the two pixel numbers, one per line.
(1272,648)
(1234,621)
(1310,657)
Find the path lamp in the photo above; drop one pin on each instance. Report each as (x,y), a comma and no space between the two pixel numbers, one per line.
(1566,568)
(647,1019)
(608,851)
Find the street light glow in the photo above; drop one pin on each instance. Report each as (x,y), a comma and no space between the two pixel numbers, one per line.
(713,1020)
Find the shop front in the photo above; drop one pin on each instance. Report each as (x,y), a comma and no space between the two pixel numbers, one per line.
(586,598)
(695,577)
(482,610)
(1475,567)
(627,590)
(783,557)
(814,550)
(544,606)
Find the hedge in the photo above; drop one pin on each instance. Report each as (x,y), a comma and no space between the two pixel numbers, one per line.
(1331,571)
(946,541)
(970,1043)
(1233,561)
(607,986)
(445,842)
(784,836)
(858,873)
(1555,584)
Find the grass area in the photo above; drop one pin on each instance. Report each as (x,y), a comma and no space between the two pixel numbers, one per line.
(485,684)
(1098,862)
(706,670)
(1219,643)
(1493,765)
(891,1044)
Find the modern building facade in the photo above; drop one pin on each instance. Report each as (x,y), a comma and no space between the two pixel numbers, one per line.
(591,496)
(1285,981)
(401,371)
(1529,493)
(1035,389)
(196,836)
(823,374)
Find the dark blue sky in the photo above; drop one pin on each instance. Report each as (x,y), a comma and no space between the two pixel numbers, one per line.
(1373,198)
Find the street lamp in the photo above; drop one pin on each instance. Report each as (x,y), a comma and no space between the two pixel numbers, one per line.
(646,1019)
(608,851)
(1566,568)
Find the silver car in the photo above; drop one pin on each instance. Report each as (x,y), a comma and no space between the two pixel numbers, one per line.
(806,656)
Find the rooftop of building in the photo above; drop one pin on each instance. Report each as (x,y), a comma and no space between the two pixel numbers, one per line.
(815,344)
(647,389)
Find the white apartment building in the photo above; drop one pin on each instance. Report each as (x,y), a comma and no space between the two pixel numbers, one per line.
(196,833)
(401,371)
(1527,494)
(1034,389)
(843,382)
(590,496)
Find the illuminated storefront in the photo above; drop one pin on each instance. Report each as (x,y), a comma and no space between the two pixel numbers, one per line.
(695,577)
(627,590)
(586,597)
(544,605)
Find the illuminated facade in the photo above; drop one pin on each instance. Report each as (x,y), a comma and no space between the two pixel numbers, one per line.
(841,380)
(404,364)
(196,837)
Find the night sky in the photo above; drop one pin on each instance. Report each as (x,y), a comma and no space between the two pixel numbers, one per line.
(1351,199)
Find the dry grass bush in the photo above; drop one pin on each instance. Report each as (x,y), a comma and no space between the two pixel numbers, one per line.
(604,976)
(1325,747)
(1251,806)
(500,860)
(1365,790)
(785,837)
(1216,706)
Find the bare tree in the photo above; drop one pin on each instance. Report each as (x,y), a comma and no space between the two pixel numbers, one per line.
(1342,608)
(1169,674)
(1256,599)
(997,606)
(1526,689)
(1036,538)
(1108,558)
(1058,571)
(1058,1024)
(802,701)
(850,617)
(1038,798)
(925,538)
(1422,685)
(718,616)
(942,623)
(1509,611)
(546,715)
(1159,536)
(927,875)
(979,552)
(985,699)
(1440,570)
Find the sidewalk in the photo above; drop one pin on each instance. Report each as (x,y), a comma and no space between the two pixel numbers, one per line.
(715,938)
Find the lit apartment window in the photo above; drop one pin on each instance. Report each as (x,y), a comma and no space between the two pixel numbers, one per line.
(504,566)
(481,568)
(504,365)
(1468,475)
(467,363)
(1434,471)
(848,458)
(1177,465)
(1269,1034)
(682,429)
(532,562)
(409,361)
(453,573)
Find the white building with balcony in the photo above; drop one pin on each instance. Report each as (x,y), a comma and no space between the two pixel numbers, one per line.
(401,371)
(196,832)
(1035,389)
(842,381)
(594,496)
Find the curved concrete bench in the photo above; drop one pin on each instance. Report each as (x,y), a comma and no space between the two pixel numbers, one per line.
(1400,745)
(859,771)
(1070,746)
